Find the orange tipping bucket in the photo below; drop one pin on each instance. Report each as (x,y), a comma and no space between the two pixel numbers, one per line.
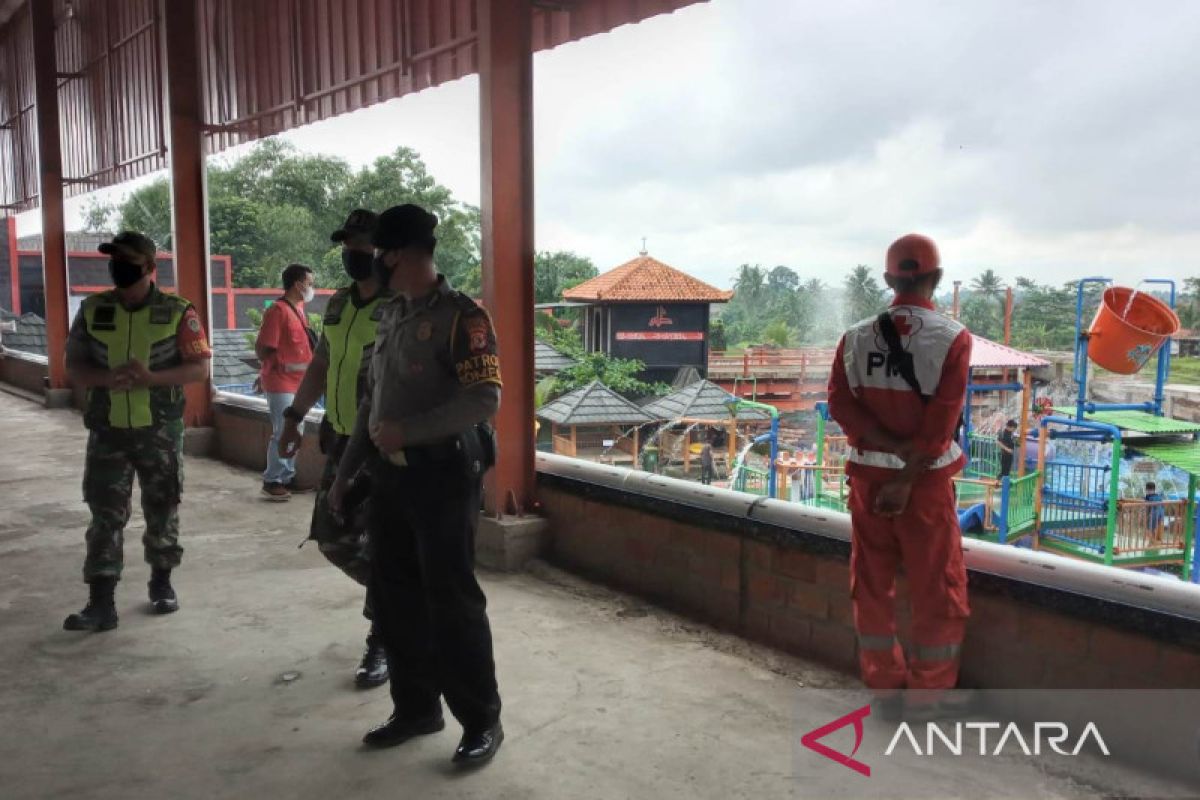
(1128,329)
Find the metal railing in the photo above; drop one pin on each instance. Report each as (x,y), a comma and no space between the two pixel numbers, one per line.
(1075,505)
(983,456)
(750,480)
(1020,509)
(1151,528)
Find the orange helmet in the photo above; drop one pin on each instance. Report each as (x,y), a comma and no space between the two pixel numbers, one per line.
(911,256)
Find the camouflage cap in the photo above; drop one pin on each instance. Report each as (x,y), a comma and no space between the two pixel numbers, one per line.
(361,222)
(130,242)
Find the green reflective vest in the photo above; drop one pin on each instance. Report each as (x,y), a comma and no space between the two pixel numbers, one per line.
(117,337)
(350,332)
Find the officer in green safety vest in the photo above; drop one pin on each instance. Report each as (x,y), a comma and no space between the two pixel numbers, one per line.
(339,370)
(133,348)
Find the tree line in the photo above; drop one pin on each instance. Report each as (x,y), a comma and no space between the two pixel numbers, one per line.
(775,306)
(275,206)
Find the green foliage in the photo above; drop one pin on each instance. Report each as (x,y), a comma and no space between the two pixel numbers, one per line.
(778,333)
(99,217)
(983,317)
(864,296)
(148,210)
(618,374)
(555,272)
(275,206)
(716,335)
(564,338)
(776,306)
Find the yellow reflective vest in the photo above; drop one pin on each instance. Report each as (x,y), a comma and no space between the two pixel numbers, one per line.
(350,334)
(117,336)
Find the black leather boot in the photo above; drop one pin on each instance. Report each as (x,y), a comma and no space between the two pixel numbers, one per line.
(162,594)
(478,747)
(100,613)
(373,669)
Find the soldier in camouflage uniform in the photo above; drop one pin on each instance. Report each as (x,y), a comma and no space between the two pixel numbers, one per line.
(133,348)
(338,371)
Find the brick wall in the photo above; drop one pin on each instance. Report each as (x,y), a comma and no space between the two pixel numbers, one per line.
(792,592)
(24,373)
(242,436)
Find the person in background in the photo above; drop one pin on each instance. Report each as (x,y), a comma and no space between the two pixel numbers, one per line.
(133,348)
(897,388)
(1155,514)
(706,463)
(284,348)
(339,372)
(1008,446)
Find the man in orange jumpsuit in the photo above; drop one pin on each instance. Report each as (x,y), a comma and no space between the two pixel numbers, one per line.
(897,388)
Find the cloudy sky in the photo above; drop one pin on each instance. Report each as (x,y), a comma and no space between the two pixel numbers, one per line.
(1045,139)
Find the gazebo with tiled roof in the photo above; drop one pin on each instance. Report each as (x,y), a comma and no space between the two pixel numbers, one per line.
(595,423)
(650,311)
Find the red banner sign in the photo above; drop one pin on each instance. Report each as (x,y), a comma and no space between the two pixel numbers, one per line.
(659,336)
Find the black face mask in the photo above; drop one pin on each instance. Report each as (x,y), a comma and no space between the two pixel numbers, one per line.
(124,273)
(358,265)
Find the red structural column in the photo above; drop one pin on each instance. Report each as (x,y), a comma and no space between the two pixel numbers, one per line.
(188,196)
(54,246)
(506,137)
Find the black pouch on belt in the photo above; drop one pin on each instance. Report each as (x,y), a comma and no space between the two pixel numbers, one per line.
(479,449)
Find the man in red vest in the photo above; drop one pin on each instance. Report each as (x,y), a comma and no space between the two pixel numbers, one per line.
(897,388)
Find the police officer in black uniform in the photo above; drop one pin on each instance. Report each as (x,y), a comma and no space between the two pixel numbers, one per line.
(421,431)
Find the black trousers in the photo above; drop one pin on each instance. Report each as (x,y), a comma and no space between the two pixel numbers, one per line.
(1006,463)
(429,609)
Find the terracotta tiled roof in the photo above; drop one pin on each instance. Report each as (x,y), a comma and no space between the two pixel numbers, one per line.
(647,279)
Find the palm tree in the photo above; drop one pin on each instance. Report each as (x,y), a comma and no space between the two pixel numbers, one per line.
(989,284)
(864,295)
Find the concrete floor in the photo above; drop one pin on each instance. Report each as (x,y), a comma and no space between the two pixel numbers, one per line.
(604,697)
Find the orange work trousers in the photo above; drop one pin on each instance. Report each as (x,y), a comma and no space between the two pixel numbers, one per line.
(926,541)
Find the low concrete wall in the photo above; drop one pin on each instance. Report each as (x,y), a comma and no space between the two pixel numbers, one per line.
(790,590)
(1179,401)
(243,431)
(26,372)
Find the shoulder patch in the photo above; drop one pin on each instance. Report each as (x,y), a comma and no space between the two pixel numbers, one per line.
(465,302)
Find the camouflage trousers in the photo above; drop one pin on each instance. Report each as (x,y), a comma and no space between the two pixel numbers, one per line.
(114,456)
(343,542)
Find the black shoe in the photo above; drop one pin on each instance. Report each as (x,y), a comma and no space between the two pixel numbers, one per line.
(398,730)
(100,613)
(373,669)
(478,747)
(162,595)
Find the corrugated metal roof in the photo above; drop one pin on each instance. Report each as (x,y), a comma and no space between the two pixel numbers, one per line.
(702,400)
(267,66)
(646,279)
(1136,421)
(547,359)
(594,404)
(1181,455)
(988,354)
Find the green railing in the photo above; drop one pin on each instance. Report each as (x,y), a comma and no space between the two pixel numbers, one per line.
(1020,512)
(751,480)
(983,456)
